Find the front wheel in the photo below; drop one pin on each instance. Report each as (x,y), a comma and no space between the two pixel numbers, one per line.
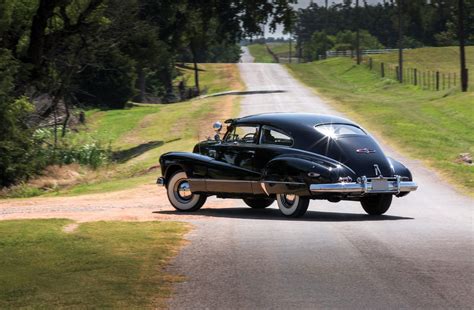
(180,195)
(292,205)
(258,203)
(376,204)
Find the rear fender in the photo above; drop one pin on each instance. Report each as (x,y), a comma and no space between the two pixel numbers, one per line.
(399,169)
(304,170)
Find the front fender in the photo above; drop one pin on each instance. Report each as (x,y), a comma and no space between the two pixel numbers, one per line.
(199,166)
(195,165)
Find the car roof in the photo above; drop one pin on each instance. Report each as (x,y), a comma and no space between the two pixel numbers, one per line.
(300,126)
(291,121)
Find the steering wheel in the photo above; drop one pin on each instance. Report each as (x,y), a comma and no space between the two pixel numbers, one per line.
(250,136)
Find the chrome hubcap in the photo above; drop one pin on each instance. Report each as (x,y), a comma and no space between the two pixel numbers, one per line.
(289,200)
(184,191)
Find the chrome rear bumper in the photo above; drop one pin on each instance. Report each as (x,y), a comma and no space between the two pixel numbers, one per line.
(366,186)
(160,181)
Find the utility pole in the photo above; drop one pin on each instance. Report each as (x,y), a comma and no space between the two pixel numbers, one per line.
(462,53)
(357,32)
(400,42)
(289,51)
(326,18)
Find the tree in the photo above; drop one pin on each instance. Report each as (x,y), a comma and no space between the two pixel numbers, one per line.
(16,160)
(319,44)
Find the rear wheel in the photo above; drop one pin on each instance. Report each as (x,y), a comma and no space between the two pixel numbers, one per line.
(258,203)
(180,195)
(376,204)
(292,205)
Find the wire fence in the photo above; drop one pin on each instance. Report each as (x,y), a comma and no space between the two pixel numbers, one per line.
(352,53)
(425,79)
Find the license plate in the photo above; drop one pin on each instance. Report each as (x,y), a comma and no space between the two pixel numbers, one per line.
(380,185)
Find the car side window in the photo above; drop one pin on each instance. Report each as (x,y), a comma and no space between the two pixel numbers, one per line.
(272,136)
(242,134)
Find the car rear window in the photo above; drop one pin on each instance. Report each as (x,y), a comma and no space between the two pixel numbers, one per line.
(335,130)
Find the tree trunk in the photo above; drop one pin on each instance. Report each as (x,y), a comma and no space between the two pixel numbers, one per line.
(196,69)
(141,84)
(38,31)
(400,41)
(196,76)
(66,120)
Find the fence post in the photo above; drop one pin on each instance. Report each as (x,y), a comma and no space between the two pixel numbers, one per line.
(415,81)
(449,80)
(437,80)
(382,69)
(444,80)
(429,79)
(370,63)
(454,79)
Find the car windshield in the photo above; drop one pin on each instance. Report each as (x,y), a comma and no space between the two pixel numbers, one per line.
(335,130)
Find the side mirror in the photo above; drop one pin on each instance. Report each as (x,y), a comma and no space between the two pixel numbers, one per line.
(217,128)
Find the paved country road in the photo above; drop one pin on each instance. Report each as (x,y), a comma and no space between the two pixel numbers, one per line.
(419,255)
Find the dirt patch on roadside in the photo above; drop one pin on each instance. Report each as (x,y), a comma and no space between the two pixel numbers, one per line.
(70,228)
(144,203)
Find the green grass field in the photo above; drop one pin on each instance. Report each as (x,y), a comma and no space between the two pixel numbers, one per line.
(260,53)
(100,265)
(434,127)
(442,59)
(282,49)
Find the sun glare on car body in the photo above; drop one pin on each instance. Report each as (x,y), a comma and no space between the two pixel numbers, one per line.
(327,130)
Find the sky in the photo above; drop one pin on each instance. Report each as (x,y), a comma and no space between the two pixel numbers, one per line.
(303,4)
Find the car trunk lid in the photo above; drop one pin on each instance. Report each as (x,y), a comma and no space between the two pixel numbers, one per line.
(361,153)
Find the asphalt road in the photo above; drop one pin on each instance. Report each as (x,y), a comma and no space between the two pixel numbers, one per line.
(419,255)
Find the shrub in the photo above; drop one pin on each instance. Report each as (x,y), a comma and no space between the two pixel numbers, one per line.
(346,40)
(318,45)
(86,151)
(17,161)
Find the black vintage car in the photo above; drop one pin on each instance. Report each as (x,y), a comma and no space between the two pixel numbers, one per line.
(290,157)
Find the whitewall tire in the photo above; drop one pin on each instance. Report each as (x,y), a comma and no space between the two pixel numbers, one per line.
(292,205)
(180,196)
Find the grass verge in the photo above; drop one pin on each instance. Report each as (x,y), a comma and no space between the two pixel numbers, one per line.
(214,78)
(260,53)
(432,126)
(281,49)
(99,265)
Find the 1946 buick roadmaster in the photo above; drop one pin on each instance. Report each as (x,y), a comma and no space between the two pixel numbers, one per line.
(290,158)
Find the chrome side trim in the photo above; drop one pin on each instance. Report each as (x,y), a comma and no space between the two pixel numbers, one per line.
(246,181)
(160,181)
(245,186)
(262,184)
(279,182)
